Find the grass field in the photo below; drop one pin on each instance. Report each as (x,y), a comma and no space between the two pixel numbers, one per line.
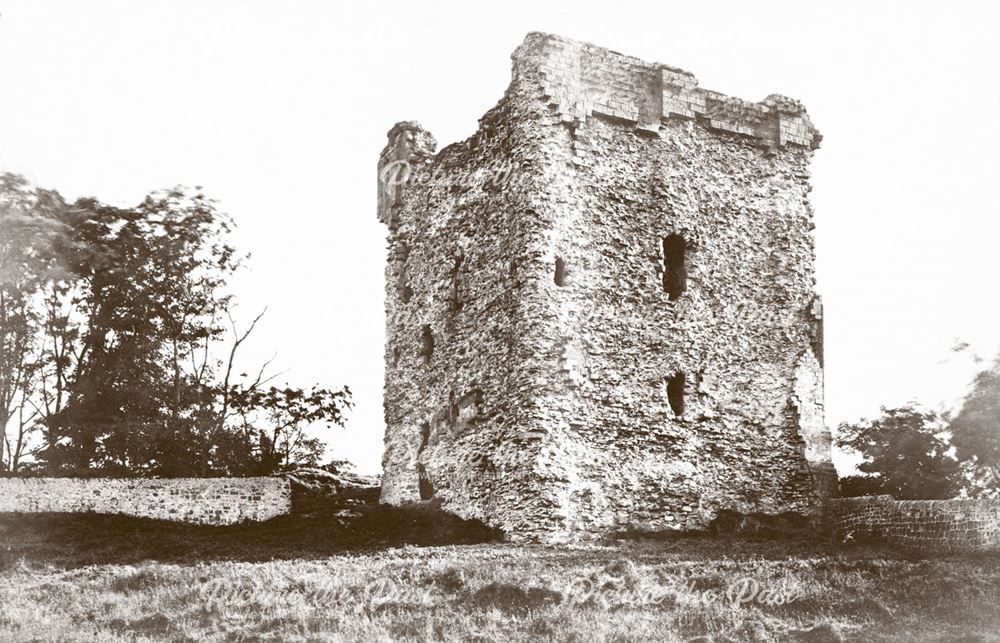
(364,573)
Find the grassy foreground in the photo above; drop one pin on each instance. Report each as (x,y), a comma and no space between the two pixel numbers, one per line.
(313,577)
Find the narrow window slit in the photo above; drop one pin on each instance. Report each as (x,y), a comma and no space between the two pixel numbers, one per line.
(426,344)
(425,435)
(675,393)
(426,488)
(402,285)
(456,303)
(560,276)
(674,266)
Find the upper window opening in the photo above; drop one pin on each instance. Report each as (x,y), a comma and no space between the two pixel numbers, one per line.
(426,344)
(560,272)
(674,266)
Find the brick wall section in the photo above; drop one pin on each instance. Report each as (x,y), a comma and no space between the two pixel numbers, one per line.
(941,525)
(206,501)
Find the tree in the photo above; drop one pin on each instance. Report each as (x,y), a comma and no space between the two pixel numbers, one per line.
(32,234)
(152,277)
(275,420)
(904,455)
(113,323)
(976,432)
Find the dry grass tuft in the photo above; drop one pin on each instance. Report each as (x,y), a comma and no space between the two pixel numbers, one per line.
(389,575)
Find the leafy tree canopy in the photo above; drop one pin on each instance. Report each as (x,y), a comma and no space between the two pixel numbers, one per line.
(976,432)
(119,344)
(905,454)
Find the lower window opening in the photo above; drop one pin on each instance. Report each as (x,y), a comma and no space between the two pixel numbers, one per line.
(675,393)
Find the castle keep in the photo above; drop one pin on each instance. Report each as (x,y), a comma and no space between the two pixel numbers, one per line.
(601,309)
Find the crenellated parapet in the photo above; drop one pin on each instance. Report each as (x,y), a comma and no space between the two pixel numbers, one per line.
(581,80)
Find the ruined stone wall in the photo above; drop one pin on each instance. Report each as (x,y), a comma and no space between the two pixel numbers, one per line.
(944,526)
(208,501)
(460,407)
(742,334)
(549,404)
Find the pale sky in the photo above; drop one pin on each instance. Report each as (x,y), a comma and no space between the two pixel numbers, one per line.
(279,110)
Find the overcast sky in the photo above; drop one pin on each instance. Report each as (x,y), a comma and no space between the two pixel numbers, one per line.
(280,109)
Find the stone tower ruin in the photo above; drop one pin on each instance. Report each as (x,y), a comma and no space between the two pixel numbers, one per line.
(600,308)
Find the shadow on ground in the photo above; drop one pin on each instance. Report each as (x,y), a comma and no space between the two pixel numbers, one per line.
(323,524)
(319,525)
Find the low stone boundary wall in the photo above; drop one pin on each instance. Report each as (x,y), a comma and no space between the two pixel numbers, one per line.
(940,525)
(206,501)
